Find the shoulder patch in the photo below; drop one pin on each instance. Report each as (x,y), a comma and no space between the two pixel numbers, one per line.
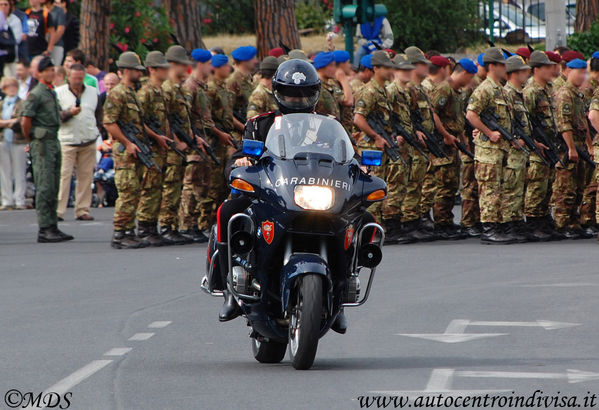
(360,103)
(566,108)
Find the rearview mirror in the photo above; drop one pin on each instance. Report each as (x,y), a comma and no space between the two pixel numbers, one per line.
(372,158)
(252,148)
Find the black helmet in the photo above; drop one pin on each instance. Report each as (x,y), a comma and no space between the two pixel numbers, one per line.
(296,86)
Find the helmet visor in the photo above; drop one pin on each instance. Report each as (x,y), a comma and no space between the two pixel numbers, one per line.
(297,99)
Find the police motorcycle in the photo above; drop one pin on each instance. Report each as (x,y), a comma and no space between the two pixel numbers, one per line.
(296,254)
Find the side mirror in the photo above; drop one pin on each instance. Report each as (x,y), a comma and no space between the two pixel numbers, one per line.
(253,148)
(372,158)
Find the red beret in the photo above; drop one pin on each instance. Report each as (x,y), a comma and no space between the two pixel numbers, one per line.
(523,52)
(571,55)
(440,61)
(556,58)
(276,52)
(390,52)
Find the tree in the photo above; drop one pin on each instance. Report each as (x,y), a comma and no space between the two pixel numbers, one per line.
(95,35)
(586,12)
(275,23)
(186,19)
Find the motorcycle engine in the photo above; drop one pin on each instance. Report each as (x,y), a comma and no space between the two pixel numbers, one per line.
(241,280)
(353,289)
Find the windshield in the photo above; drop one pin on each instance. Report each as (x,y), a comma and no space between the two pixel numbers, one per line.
(292,134)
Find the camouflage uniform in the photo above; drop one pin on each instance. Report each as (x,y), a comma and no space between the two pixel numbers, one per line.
(356,85)
(346,115)
(374,98)
(594,106)
(515,172)
(469,191)
(196,179)
(558,83)
(262,100)
(430,183)
(176,102)
(489,156)
(428,85)
(328,102)
(539,177)
(122,105)
(587,208)
(448,106)
(241,86)
(151,101)
(221,105)
(569,182)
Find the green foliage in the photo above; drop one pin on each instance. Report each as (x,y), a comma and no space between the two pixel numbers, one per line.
(443,25)
(587,42)
(140,26)
(233,17)
(313,14)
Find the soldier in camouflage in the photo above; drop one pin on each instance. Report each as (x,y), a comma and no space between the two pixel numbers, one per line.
(330,94)
(240,83)
(342,82)
(594,120)
(569,182)
(262,100)
(363,76)
(122,105)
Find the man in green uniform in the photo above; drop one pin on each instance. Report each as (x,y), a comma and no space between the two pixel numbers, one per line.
(240,82)
(374,99)
(490,148)
(449,119)
(569,182)
(262,100)
(594,119)
(330,94)
(151,101)
(539,177)
(342,82)
(40,122)
(122,105)
(363,76)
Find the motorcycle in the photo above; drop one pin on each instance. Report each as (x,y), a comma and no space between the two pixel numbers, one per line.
(295,255)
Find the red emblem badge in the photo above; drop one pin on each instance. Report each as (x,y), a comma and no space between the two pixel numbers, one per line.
(349,235)
(268,231)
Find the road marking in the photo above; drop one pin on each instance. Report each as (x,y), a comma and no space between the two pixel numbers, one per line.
(572,375)
(118,351)
(141,336)
(453,334)
(75,378)
(159,324)
(546,324)
(560,285)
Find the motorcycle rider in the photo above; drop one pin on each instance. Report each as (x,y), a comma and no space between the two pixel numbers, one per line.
(296,88)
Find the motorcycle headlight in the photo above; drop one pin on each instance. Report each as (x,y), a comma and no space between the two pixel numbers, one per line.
(314,197)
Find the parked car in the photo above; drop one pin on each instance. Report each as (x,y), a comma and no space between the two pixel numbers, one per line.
(509,18)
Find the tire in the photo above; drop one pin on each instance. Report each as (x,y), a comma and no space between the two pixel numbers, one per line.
(304,326)
(268,352)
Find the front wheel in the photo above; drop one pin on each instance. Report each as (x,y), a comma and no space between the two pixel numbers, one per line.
(268,352)
(304,326)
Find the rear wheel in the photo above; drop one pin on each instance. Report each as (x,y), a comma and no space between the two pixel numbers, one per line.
(268,352)
(304,326)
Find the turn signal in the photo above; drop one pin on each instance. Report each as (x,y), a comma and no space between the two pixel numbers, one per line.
(376,195)
(242,185)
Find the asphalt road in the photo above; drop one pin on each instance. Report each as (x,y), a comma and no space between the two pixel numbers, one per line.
(133,330)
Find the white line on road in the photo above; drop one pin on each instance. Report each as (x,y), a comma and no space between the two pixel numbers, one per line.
(141,336)
(560,285)
(453,334)
(75,378)
(118,351)
(546,324)
(159,324)
(572,375)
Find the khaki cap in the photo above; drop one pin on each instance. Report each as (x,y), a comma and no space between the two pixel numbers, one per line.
(416,55)
(131,60)
(381,58)
(269,63)
(177,54)
(156,59)
(494,55)
(402,62)
(539,58)
(516,63)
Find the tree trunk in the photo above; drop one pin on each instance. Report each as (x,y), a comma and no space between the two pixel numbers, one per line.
(95,31)
(186,19)
(275,23)
(586,13)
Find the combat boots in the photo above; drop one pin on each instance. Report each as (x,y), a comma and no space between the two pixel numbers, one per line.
(193,235)
(414,230)
(535,229)
(52,234)
(171,237)
(426,222)
(125,240)
(547,224)
(492,235)
(148,234)
(472,231)
(511,229)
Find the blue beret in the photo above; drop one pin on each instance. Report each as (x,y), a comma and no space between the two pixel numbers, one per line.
(201,55)
(323,59)
(577,63)
(595,54)
(219,60)
(468,65)
(341,56)
(244,53)
(479,59)
(366,61)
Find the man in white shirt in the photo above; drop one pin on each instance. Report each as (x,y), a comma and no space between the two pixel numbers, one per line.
(80,115)
(24,79)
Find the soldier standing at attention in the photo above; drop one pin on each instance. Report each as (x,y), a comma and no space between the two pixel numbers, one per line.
(342,82)
(569,182)
(40,122)
(490,148)
(330,93)
(448,108)
(151,101)
(193,216)
(437,72)
(515,173)
(176,103)
(240,83)
(374,99)
(364,75)
(122,105)
(481,72)
(539,177)
(262,100)
(594,119)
